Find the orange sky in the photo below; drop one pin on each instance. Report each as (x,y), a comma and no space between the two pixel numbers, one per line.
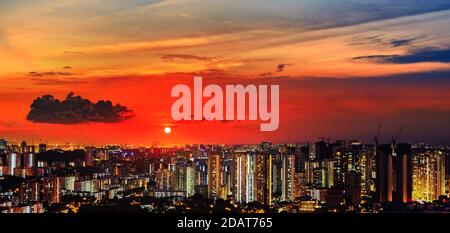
(338,79)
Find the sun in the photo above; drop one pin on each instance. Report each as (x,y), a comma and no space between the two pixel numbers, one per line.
(167,130)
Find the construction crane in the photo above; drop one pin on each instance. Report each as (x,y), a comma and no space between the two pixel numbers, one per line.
(377,136)
(394,138)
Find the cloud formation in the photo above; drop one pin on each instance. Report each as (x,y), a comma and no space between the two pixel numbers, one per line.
(423,55)
(171,57)
(281,67)
(76,110)
(401,42)
(49,73)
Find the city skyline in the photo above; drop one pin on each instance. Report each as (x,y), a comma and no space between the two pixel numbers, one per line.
(322,176)
(343,68)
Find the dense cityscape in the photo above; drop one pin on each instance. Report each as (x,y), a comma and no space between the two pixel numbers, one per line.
(323,176)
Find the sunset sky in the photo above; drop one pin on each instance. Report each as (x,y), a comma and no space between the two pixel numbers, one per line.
(343,66)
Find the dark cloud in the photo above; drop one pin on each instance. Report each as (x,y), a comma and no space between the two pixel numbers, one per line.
(376,58)
(400,42)
(67,67)
(265,74)
(76,110)
(367,40)
(423,55)
(171,57)
(281,67)
(50,73)
(382,39)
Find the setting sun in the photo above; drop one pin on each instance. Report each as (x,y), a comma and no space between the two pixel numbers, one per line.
(167,130)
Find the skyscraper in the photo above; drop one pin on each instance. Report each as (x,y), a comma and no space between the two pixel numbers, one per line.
(394,173)
(264,178)
(402,161)
(244,176)
(190,179)
(287,173)
(42,147)
(428,175)
(13,160)
(214,175)
(89,156)
(384,182)
(226,176)
(367,170)
(250,176)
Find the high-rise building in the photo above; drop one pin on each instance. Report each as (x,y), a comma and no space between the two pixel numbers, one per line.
(42,147)
(319,180)
(341,164)
(394,173)
(69,183)
(300,179)
(29,191)
(180,172)
(190,179)
(23,148)
(162,179)
(89,156)
(52,189)
(352,182)
(324,150)
(14,162)
(310,167)
(214,175)
(367,171)
(238,180)
(3,144)
(264,178)
(287,173)
(323,175)
(402,161)
(250,176)
(301,156)
(277,166)
(29,159)
(384,178)
(244,176)
(354,156)
(201,170)
(428,175)
(227,177)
